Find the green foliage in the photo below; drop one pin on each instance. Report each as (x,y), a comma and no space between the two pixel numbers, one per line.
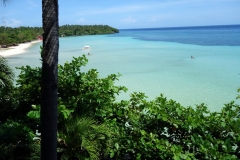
(15,140)
(79,94)
(6,87)
(35,113)
(26,92)
(13,36)
(85,92)
(6,74)
(62,110)
(83,138)
(77,30)
(77,91)
(163,129)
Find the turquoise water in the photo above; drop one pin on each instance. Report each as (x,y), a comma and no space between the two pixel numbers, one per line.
(156,66)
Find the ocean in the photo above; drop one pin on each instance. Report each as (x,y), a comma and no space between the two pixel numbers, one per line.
(191,65)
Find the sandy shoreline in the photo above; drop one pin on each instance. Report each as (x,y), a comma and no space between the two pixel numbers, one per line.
(21,48)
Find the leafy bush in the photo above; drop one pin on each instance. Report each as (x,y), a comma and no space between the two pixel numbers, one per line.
(80,94)
(15,140)
(84,138)
(163,129)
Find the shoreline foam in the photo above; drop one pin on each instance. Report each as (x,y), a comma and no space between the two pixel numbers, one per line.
(14,50)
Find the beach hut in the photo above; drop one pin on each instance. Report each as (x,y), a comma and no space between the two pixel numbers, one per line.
(40,38)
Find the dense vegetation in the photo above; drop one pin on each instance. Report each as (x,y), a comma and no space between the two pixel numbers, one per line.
(13,36)
(93,125)
(78,30)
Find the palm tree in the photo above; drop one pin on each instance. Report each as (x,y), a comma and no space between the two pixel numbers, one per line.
(6,86)
(49,79)
(6,74)
(83,137)
(49,85)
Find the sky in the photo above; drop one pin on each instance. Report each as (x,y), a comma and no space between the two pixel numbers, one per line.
(125,14)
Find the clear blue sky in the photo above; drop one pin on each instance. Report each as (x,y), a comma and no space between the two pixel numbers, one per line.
(124,14)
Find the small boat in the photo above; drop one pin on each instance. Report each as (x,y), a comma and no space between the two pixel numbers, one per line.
(85,47)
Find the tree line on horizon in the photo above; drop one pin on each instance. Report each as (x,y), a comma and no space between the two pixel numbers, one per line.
(14,36)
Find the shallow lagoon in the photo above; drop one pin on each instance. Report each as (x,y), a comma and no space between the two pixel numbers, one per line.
(155,67)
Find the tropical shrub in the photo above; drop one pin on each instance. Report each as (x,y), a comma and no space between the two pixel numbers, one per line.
(15,141)
(6,87)
(6,74)
(84,138)
(163,129)
(80,94)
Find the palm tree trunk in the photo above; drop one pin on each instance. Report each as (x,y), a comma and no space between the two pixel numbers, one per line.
(49,80)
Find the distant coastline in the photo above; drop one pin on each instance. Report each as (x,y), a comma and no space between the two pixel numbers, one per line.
(16,40)
(14,36)
(183,27)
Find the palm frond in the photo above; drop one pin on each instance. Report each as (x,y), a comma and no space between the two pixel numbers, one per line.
(6,73)
(84,137)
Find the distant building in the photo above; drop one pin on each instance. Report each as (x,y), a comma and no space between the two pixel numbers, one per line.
(40,38)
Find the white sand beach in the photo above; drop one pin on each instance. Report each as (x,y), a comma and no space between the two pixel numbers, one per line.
(6,52)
